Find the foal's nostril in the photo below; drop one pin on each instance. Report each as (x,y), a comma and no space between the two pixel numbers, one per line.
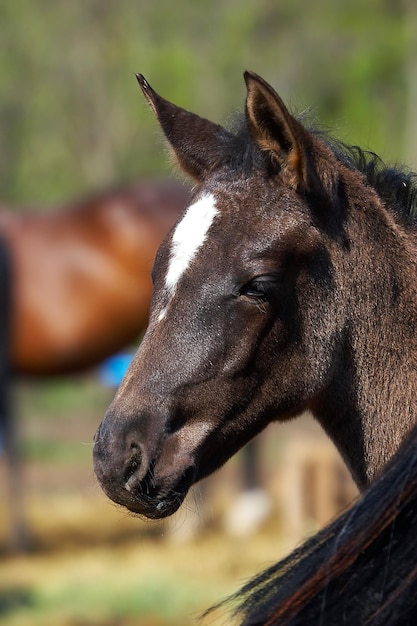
(132,466)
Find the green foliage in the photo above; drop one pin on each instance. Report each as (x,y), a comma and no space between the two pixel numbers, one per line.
(71,114)
(107,599)
(60,418)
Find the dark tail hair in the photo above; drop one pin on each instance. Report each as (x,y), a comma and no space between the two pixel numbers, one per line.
(360,570)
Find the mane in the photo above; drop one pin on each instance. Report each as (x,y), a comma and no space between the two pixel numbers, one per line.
(396,185)
(242,153)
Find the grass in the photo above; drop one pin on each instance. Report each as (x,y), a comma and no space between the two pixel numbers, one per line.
(105,597)
(58,398)
(60,418)
(59,452)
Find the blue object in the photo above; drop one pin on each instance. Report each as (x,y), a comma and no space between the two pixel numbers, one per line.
(112,370)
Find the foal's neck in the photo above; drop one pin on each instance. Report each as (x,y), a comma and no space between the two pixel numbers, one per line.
(371,406)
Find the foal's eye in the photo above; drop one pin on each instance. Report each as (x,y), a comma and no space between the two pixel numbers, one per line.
(261,287)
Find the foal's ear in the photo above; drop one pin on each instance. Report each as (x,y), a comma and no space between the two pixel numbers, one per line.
(276,131)
(196,142)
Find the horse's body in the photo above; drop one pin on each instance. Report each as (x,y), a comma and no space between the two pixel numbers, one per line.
(81,285)
(290,283)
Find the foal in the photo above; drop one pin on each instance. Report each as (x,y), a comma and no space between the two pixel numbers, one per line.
(288,284)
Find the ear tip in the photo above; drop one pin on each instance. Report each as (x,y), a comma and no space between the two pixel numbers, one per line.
(251,76)
(147,91)
(247,75)
(142,81)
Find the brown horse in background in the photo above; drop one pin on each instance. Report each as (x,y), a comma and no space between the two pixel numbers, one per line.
(77,289)
(81,275)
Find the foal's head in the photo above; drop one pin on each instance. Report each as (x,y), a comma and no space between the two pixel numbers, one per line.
(246,322)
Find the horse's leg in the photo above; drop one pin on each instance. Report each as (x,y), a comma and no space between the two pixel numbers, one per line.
(19,539)
(8,426)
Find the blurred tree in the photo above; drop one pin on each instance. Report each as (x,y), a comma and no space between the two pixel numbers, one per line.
(410,23)
(71,115)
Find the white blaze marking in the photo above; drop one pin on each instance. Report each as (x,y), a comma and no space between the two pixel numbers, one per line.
(162,314)
(189,236)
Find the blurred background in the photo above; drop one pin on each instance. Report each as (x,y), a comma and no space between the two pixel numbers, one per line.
(73,123)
